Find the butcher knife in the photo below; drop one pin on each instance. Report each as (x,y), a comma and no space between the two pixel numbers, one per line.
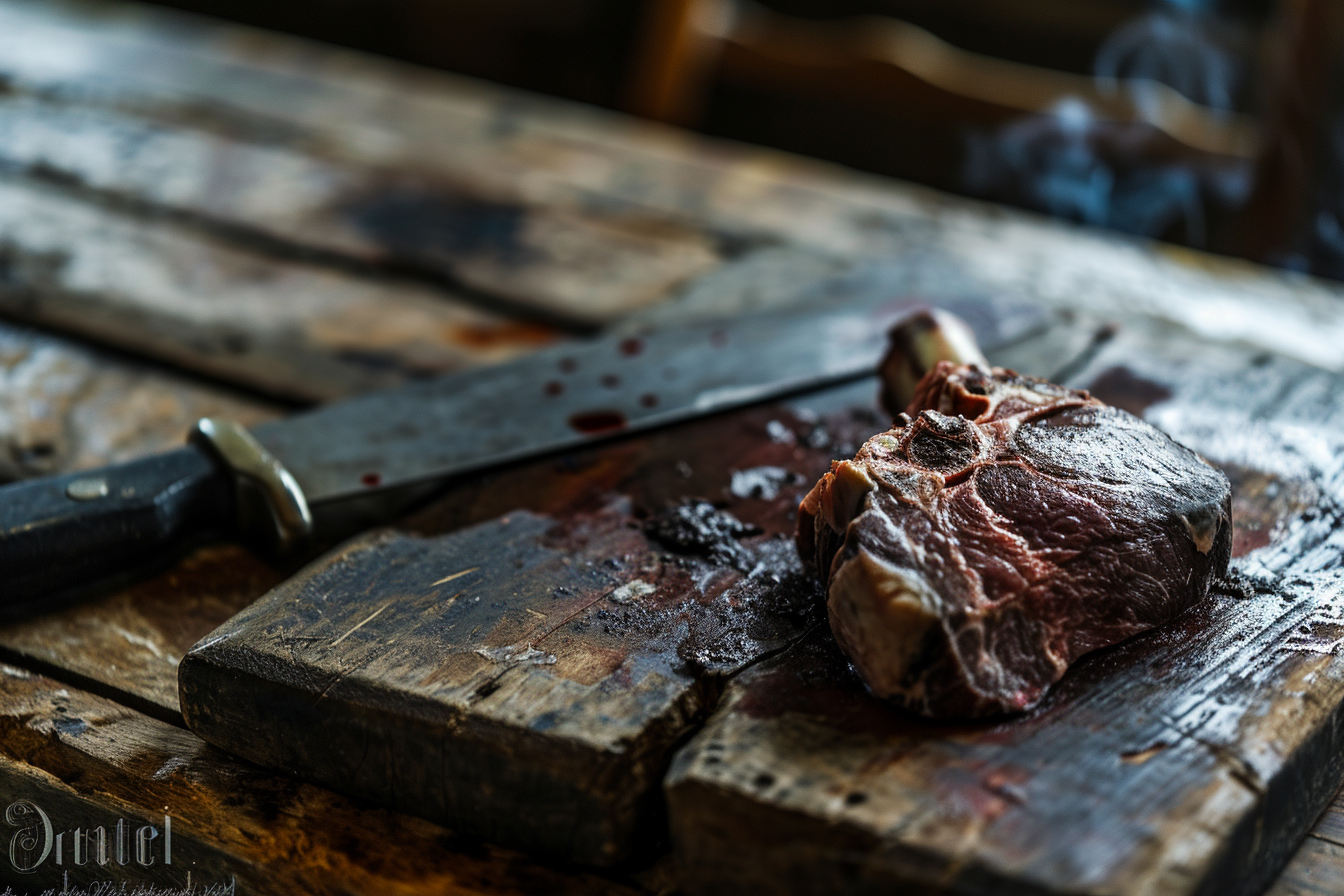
(329,472)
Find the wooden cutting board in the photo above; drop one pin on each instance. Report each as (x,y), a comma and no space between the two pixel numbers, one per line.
(529,677)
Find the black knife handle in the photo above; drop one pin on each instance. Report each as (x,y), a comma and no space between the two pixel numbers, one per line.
(69,531)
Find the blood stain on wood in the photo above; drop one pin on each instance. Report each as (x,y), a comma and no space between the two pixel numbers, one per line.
(501,335)
(1262,506)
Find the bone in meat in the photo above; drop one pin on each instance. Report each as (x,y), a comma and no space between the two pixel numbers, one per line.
(1004,527)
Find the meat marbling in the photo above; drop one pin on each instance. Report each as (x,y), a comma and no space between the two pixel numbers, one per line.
(1002,528)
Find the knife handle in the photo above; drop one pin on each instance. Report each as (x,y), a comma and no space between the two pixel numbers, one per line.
(81,529)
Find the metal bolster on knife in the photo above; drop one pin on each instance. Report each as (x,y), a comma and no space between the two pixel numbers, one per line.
(271,507)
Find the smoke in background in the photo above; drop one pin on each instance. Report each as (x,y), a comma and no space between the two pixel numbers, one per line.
(1126,175)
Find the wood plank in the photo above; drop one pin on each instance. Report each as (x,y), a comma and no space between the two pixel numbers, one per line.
(292,329)
(526,679)
(1330,826)
(569,264)
(126,645)
(1317,868)
(88,762)
(1189,760)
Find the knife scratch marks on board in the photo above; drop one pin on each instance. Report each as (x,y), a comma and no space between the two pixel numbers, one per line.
(456,575)
(340,674)
(579,612)
(139,641)
(1322,630)
(367,620)
(1304,645)
(517,654)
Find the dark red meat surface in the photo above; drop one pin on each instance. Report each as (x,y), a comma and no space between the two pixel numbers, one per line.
(1002,528)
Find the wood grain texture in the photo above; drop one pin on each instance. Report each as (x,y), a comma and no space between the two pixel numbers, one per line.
(563,263)
(1330,826)
(297,330)
(1190,760)
(1318,865)
(126,645)
(87,762)
(1316,869)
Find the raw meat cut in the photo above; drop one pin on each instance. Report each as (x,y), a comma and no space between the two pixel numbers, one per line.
(1002,528)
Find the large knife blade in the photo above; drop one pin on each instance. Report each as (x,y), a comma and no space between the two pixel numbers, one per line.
(355,462)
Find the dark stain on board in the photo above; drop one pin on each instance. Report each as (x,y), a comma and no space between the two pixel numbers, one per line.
(696,526)
(437,228)
(501,335)
(1263,505)
(598,421)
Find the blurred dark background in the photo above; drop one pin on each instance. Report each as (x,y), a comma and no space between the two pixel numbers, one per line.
(1218,124)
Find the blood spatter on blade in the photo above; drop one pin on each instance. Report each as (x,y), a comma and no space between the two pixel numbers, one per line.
(1002,528)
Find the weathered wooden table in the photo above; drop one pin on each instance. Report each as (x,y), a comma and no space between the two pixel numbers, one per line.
(200,219)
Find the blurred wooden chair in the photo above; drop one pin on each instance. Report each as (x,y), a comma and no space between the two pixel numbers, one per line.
(1299,158)
(890,66)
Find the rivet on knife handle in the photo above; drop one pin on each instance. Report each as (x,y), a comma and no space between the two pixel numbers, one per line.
(98,528)
(271,507)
